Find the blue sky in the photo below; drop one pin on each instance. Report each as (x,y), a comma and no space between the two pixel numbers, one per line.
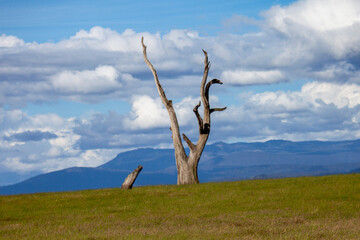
(75,91)
(44,21)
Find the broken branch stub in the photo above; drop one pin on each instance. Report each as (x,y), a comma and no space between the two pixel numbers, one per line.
(130,179)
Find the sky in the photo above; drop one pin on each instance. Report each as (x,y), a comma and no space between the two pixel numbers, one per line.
(75,90)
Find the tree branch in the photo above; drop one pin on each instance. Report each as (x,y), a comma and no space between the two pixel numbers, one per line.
(200,121)
(157,82)
(180,154)
(204,79)
(217,109)
(189,143)
(208,85)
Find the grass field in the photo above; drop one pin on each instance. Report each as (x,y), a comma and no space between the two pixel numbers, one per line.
(295,208)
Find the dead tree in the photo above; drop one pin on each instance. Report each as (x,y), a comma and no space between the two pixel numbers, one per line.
(187,165)
(130,179)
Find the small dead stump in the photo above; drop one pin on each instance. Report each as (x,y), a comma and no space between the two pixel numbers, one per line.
(129,180)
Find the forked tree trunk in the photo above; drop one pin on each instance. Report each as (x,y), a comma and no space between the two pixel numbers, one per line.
(130,179)
(187,165)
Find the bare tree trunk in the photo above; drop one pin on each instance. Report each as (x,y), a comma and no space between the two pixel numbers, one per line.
(130,179)
(187,165)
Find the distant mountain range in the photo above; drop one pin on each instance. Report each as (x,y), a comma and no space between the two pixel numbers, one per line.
(219,162)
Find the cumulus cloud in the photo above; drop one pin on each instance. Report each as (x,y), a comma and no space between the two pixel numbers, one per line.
(325,111)
(102,79)
(346,95)
(114,131)
(10,41)
(150,113)
(11,119)
(319,15)
(42,143)
(147,125)
(147,113)
(324,26)
(92,65)
(241,77)
(313,94)
(307,39)
(100,38)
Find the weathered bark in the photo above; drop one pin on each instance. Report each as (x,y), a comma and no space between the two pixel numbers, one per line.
(187,165)
(130,179)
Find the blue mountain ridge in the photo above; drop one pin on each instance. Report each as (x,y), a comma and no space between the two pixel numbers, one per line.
(219,162)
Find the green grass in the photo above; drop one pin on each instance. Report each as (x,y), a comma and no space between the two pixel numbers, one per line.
(295,208)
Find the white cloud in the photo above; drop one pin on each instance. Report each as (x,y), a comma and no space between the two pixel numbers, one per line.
(104,39)
(47,121)
(10,41)
(279,102)
(346,95)
(312,95)
(184,109)
(11,119)
(92,65)
(323,111)
(147,113)
(101,79)
(15,164)
(49,153)
(181,39)
(307,39)
(319,15)
(317,109)
(241,77)
(150,113)
(323,25)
